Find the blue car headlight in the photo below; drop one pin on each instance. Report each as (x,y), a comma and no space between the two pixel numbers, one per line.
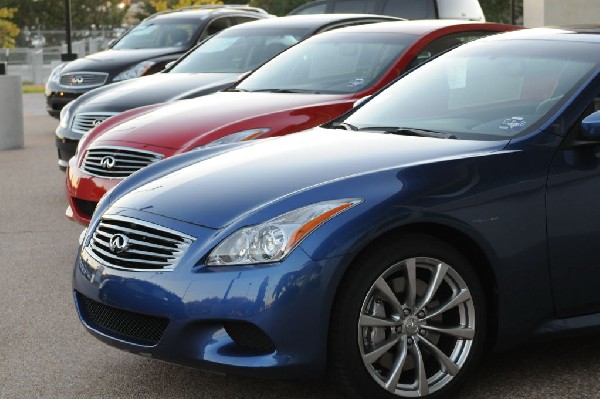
(274,239)
(135,71)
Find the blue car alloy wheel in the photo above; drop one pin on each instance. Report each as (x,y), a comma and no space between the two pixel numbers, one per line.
(407,318)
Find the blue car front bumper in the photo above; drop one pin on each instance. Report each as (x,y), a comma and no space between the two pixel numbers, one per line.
(267,320)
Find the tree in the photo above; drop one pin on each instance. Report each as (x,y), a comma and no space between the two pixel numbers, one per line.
(50,14)
(8,30)
(501,10)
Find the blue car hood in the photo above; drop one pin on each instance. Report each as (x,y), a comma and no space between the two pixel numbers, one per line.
(219,190)
(151,89)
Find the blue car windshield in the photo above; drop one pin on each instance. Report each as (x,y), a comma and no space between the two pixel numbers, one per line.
(239,50)
(159,34)
(485,90)
(331,63)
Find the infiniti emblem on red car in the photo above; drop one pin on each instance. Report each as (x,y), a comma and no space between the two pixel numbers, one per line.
(119,243)
(108,162)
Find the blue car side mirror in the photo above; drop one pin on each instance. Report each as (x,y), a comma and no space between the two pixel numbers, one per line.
(590,127)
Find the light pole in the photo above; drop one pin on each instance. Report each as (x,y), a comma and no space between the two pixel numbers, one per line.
(68,56)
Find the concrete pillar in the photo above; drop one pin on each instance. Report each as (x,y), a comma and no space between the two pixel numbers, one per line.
(11,113)
(538,13)
(37,63)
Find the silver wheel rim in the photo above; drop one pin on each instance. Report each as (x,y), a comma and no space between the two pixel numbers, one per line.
(416,327)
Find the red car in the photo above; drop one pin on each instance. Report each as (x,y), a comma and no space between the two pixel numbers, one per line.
(305,86)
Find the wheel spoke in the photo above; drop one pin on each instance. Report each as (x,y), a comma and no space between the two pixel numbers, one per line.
(392,382)
(387,292)
(370,321)
(458,332)
(411,274)
(438,277)
(444,360)
(462,296)
(421,377)
(381,349)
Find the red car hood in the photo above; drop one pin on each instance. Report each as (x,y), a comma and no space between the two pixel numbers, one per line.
(176,125)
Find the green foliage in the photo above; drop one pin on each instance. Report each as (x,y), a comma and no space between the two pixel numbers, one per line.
(501,10)
(50,14)
(8,30)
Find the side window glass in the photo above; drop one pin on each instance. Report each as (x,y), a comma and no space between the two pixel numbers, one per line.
(354,6)
(216,26)
(442,44)
(319,8)
(241,20)
(410,9)
(575,130)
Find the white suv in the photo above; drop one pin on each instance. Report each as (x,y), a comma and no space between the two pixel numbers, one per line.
(409,9)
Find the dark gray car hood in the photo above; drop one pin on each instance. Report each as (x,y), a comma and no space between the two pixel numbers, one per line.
(150,89)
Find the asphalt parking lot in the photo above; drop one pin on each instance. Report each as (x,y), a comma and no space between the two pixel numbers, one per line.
(46,353)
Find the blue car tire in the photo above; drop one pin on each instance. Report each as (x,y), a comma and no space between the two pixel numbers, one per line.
(409,320)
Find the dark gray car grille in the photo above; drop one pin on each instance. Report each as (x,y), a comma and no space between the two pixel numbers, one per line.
(131,244)
(117,162)
(83,80)
(82,123)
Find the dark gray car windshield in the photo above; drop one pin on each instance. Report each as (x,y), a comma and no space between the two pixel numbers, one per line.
(159,34)
(486,90)
(331,63)
(239,50)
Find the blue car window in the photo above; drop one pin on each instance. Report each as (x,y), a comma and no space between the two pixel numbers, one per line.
(501,92)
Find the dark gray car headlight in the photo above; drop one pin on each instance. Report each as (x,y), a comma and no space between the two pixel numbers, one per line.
(135,71)
(274,239)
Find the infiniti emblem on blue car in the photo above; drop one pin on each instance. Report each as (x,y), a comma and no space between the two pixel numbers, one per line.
(119,243)
(108,162)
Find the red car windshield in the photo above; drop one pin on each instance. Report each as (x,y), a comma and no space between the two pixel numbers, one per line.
(331,64)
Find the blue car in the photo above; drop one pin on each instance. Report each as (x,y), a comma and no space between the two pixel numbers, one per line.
(451,214)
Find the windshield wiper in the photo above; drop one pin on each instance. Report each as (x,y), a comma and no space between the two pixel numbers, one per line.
(286,91)
(342,125)
(409,131)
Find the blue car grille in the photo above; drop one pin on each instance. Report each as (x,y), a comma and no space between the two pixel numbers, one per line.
(121,324)
(116,162)
(131,244)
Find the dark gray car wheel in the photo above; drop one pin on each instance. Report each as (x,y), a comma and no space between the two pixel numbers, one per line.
(409,320)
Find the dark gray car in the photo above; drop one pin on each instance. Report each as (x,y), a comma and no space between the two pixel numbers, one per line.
(144,50)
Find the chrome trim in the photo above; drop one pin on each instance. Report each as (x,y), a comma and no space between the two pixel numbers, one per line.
(84,122)
(97,78)
(62,163)
(132,158)
(169,260)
